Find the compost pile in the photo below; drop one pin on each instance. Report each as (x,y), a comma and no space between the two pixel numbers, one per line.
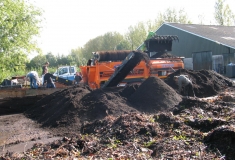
(206,83)
(147,121)
(154,95)
(168,55)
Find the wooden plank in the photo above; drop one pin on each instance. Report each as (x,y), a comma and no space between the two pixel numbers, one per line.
(46,91)
(16,92)
(22,92)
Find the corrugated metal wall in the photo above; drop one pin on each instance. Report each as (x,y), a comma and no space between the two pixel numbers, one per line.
(202,60)
(189,43)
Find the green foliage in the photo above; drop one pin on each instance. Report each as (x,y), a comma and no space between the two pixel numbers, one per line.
(180,137)
(65,60)
(108,41)
(148,144)
(172,15)
(136,35)
(37,62)
(77,55)
(92,46)
(223,14)
(51,59)
(111,40)
(152,119)
(19,23)
(123,45)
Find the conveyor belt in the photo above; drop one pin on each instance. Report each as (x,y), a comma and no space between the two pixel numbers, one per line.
(124,69)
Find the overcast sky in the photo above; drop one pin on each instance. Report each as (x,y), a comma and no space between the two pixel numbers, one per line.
(69,24)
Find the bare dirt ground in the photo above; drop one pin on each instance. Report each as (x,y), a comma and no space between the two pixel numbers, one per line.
(147,121)
(19,133)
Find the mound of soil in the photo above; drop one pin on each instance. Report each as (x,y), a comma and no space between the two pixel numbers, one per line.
(104,102)
(60,108)
(154,95)
(123,127)
(129,90)
(222,138)
(72,107)
(111,123)
(205,82)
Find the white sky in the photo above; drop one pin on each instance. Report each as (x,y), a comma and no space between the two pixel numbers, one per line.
(69,24)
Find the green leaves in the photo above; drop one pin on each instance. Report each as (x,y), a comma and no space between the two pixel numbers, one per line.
(223,14)
(19,23)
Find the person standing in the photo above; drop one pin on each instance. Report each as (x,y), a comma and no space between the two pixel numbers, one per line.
(48,79)
(184,82)
(34,79)
(44,70)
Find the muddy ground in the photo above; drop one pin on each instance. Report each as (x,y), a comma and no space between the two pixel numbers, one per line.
(147,121)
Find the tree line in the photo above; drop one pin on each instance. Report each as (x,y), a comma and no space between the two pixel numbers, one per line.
(134,37)
(21,23)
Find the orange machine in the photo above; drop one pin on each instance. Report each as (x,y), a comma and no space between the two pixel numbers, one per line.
(102,67)
(98,73)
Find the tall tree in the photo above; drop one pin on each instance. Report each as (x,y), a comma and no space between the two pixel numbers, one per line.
(172,15)
(51,59)
(136,35)
(91,46)
(36,62)
(19,23)
(77,54)
(123,45)
(223,14)
(111,40)
(108,41)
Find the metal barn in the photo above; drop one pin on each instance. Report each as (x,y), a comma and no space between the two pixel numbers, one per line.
(203,46)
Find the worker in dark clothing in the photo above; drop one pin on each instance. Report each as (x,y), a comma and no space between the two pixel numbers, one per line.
(184,82)
(48,79)
(77,78)
(44,70)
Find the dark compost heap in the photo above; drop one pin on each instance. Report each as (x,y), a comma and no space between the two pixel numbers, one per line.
(150,120)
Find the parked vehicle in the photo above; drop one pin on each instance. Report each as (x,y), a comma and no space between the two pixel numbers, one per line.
(66,72)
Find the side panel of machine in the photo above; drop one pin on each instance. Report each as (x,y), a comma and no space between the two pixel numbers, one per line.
(98,74)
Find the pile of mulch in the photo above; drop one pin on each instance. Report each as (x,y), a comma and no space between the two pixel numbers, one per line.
(128,90)
(111,123)
(73,106)
(67,110)
(60,108)
(206,83)
(141,136)
(168,55)
(104,102)
(222,139)
(154,95)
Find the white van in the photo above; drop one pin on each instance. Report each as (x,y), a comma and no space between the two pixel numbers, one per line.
(66,72)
